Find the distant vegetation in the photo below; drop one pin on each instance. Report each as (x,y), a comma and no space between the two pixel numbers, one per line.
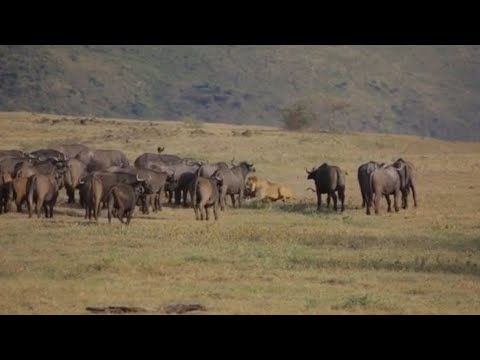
(422,90)
(297,116)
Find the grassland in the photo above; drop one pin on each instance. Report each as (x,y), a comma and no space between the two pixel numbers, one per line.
(273,259)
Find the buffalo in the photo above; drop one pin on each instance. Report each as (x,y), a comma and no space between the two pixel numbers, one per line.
(13,153)
(181,182)
(328,180)
(123,198)
(46,154)
(96,186)
(205,195)
(232,182)
(146,160)
(44,167)
(75,170)
(155,183)
(385,181)
(70,150)
(10,164)
(363,176)
(43,191)
(98,160)
(409,180)
(207,170)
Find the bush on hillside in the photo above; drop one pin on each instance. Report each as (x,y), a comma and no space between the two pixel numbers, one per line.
(297,116)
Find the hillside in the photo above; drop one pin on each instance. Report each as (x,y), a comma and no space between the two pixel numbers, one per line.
(422,90)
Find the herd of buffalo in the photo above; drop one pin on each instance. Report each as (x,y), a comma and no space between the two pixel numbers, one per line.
(105,177)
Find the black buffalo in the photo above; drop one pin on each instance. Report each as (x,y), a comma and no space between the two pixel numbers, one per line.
(329,179)
(123,198)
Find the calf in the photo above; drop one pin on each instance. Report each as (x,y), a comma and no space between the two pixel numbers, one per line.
(123,198)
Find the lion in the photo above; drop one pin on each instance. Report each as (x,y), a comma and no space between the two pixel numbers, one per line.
(266,190)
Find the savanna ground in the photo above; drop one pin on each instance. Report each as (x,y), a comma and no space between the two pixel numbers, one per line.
(260,259)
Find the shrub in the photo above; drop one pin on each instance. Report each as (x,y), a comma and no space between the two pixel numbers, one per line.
(297,116)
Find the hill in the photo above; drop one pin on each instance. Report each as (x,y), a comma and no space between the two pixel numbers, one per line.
(422,90)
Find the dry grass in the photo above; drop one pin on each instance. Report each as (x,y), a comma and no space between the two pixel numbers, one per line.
(267,259)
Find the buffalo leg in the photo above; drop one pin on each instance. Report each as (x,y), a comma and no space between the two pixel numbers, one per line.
(240,197)
(369,204)
(145,199)
(364,198)
(19,206)
(232,196)
(190,191)
(207,212)
(110,209)
(121,214)
(396,199)
(405,193)
(129,216)
(71,194)
(29,208)
(414,193)
(378,197)
(178,196)
(39,206)
(185,194)
(319,200)
(223,196)
(52,204)
(98,207)
(158,200)
(215,213)
(155,201)
(389,203)
(151,202)
(334,197)
(341,196)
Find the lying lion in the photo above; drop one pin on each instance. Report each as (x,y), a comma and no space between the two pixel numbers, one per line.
(266,190)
